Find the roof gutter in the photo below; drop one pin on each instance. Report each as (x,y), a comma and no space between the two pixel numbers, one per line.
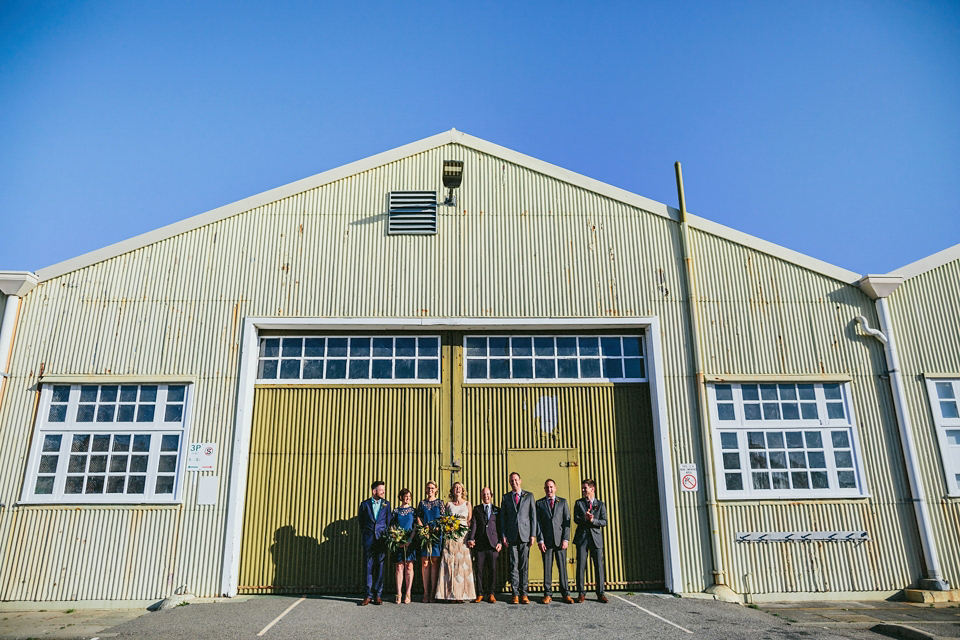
(878,288)
(14,285)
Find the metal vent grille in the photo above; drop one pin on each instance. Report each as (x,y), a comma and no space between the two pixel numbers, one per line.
(412,213)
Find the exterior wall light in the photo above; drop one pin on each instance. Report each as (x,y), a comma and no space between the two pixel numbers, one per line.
(452,177)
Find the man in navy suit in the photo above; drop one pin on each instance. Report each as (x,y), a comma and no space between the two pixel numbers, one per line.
(374,520)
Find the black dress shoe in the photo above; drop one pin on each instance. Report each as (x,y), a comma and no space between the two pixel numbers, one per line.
(377,600)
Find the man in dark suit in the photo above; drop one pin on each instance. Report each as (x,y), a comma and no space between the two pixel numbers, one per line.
(553,518)
(591,517)
(374,520)
(484,538)
(518,521)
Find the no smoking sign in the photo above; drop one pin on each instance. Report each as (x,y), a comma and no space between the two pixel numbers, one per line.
(688,477)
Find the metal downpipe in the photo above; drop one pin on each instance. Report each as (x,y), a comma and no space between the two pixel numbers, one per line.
(9,321)
(934,580)
(719,587)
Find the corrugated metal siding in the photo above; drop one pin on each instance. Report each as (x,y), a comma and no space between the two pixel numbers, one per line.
(313,454)
(763,316)
(926,316)
(519,245)
(613,430)
(93,553)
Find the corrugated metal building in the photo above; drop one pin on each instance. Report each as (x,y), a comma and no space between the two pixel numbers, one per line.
(205,405)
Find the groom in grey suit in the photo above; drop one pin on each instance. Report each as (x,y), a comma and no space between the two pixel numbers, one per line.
(553,517)
(518,522)
(590,515)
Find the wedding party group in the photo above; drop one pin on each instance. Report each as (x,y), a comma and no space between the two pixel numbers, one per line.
(453,538)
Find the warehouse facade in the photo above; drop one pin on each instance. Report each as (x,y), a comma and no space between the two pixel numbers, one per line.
(203,407)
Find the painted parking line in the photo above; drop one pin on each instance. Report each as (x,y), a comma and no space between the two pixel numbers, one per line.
(279,617)
(648,612)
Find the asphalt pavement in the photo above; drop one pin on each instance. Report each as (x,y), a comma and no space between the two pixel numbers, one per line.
(643,616)
(628,615)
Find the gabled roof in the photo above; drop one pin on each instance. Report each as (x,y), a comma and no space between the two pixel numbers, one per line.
(930,262)
(448,137)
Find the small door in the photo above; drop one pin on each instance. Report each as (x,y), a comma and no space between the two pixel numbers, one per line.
(535,466)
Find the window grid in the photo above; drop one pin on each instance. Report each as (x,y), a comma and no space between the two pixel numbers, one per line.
(108,444)
(945,406)
(342,359)
(114,403)
(558,358)
(785,441)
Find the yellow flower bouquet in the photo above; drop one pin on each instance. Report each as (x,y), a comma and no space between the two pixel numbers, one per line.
(423,537)
(397,538)
(450,527)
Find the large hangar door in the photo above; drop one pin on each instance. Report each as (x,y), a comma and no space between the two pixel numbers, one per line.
(313,453)
(609,423)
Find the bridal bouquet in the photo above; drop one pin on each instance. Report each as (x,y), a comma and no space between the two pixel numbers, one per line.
(448,527)
(423,537)
(397,538)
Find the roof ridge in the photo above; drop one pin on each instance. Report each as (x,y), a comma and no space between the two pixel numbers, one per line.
(928,263)
(451,136)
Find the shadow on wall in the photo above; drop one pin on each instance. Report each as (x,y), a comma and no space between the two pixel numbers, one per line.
(302,564)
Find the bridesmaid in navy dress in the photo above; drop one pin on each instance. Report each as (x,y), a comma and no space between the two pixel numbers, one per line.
(403,517)
(427,511)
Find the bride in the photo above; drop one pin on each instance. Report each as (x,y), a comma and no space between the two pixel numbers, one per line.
(455,581)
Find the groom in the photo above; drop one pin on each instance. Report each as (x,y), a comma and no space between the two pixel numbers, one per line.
(374,519)
(519,525)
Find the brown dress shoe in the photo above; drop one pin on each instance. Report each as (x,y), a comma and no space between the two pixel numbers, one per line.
(479,599)
(581,598)
(568,599)
(547,599)
(377,600)
(515,600)
(365,602)
(492,599)
(524,600)
(602,598)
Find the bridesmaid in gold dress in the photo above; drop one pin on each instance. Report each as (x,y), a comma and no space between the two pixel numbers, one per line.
(455,581)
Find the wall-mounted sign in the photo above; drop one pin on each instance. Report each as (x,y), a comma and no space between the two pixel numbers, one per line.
(688,477)
(202,456)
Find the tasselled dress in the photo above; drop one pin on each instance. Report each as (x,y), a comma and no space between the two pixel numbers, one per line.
(455,580)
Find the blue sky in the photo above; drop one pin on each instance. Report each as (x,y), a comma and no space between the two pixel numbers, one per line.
(832,128)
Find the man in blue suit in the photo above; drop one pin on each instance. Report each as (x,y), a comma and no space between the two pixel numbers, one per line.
(374,520)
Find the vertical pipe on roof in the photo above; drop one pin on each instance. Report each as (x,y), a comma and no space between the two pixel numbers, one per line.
(719,588)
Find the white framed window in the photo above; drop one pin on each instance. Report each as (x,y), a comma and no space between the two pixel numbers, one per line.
(944,397)
(785,440)
(108,443)
(555,358)
(349,359)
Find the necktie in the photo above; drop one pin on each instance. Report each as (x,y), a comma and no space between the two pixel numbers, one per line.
(551,504)
(516,499)
(486,508)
